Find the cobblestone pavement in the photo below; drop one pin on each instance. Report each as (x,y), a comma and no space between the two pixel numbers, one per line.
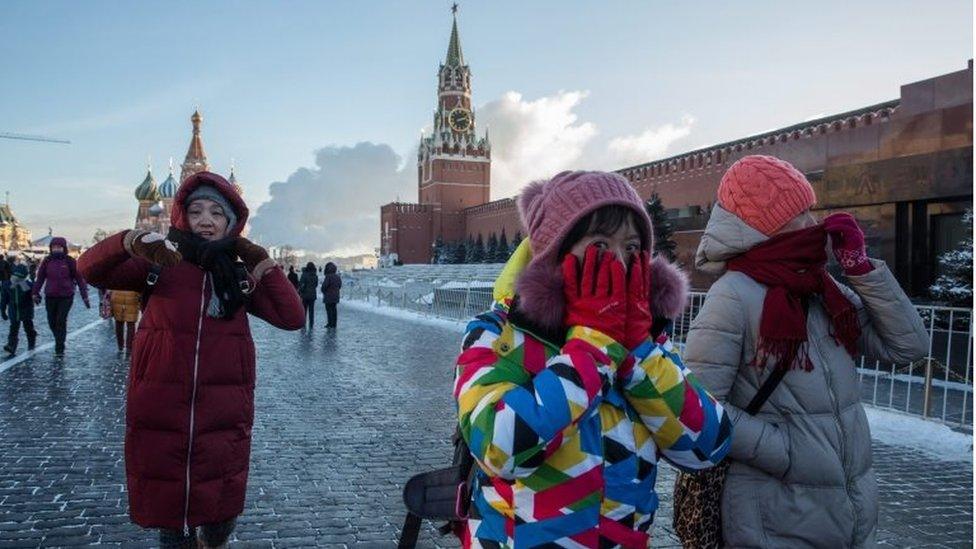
(342,420)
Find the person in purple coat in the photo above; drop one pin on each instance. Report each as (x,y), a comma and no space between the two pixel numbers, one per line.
(58,275)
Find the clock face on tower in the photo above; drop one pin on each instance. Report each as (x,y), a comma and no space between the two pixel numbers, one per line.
(459,119)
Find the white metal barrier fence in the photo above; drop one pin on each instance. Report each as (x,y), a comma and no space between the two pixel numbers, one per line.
(939,386)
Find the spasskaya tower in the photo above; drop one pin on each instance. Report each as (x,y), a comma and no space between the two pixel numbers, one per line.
(453,163)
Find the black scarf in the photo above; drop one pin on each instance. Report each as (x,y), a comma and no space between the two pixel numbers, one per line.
(218,258)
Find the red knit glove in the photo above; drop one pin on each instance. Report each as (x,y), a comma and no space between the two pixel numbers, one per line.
(847,241)
(597,297)
(639,318)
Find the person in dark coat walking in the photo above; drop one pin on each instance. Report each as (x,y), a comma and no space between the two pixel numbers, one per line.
(58,275)
(307,286)
(293,276)
(331,285)
(190,397)
(5,268)
(19,308)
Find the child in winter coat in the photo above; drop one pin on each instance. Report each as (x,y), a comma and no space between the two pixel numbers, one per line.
(190,399)
(567,391)
(19,306)
(801,474)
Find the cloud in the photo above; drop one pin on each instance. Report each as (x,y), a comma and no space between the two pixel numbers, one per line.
(534,139)
(334,206)
(648,145)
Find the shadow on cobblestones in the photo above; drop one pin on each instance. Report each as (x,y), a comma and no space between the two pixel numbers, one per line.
(342,420)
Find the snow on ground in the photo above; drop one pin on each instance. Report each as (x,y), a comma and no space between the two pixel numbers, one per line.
(930,437)
(455,284)
(411,316)
(936,382)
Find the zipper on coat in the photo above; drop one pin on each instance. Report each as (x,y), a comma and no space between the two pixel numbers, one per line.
(193,400)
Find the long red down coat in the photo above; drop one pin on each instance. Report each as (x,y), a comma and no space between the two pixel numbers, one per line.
(190,404)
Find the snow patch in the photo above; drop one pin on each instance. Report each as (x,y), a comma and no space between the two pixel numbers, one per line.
(411,316)
(455,284)
(931,438)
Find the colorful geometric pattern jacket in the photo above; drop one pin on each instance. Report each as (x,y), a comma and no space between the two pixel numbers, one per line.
(567,438)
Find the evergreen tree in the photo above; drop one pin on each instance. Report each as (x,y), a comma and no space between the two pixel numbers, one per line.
(516,240)
(460,253)
(491,249)
(502,253)
(478,251)
(469,250)
(955,285)
(664,245)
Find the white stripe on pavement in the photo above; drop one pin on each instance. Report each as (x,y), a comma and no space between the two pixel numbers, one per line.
(6,365)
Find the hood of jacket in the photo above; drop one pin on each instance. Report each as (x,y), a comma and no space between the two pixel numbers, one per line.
(58,241)
(725,237)
(539,287)
(195,181)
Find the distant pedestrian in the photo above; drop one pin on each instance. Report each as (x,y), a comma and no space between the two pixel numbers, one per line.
(19,307)
(293,276)
(331,285)
(307,286)
(125,311)
(190,399)
(58,275)
(801,472)
(5,269)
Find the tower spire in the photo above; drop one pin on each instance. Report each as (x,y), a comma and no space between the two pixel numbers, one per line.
(196,158)
(454,56)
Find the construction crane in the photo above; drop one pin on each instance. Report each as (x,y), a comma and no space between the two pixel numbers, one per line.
(27,137)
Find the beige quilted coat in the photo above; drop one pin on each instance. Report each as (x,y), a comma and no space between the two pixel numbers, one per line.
(802,472)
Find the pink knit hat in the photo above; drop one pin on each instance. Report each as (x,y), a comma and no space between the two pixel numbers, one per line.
(550,209)
(765,192)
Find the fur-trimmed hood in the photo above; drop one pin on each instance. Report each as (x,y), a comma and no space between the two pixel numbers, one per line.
(539,287)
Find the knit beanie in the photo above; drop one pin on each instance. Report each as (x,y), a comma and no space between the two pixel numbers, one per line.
(211,193)
(550,209)
(765,192)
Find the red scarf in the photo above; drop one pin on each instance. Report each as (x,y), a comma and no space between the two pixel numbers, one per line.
(792,265)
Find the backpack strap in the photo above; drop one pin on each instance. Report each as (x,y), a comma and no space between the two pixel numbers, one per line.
(411,530)
(151,279)
(765,391)
(243,278)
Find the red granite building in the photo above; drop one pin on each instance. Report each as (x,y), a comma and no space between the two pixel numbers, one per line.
(902,167)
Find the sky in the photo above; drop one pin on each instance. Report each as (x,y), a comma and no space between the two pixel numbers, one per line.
(321,104)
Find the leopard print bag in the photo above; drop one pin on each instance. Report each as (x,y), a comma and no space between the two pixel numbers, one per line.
(697,507)
(698,496)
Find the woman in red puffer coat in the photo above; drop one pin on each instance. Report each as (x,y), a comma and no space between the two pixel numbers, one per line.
(190,404)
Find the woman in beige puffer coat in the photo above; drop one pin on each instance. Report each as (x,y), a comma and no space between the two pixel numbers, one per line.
(802,472)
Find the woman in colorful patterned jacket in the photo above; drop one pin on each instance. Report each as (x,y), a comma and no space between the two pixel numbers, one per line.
(565,398)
